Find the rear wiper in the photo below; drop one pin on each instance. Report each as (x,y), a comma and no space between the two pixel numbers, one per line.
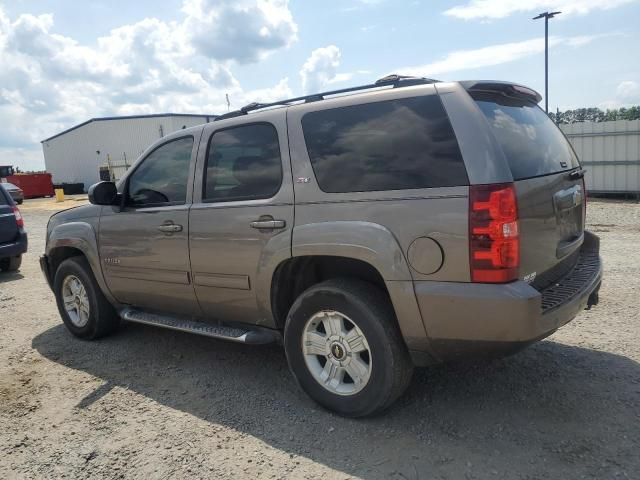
(577,174)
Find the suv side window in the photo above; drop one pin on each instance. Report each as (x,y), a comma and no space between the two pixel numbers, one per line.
(392,145)
(162,177)
(243,163)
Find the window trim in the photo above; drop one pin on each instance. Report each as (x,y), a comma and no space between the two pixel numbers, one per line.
(203,192)
(125,195)
(398,99)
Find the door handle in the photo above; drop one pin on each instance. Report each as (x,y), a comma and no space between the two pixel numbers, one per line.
(567,199)
(268,224)
(170,228)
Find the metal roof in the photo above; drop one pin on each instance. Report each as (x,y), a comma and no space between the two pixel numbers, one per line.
(129,117)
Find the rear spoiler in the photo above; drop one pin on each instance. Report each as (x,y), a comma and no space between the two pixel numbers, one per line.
(503,88)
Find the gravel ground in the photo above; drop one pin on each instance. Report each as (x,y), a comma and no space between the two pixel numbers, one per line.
(149,403)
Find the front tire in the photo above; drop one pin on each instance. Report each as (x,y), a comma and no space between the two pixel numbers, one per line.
(11,264)
(83,307)
(345,349)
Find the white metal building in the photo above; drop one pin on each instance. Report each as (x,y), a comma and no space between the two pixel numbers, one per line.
(76,155)
(610,152)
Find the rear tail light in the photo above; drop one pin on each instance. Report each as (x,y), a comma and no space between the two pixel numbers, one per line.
(494,241)
(19,219)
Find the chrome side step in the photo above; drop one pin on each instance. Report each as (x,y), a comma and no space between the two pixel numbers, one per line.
(249,335)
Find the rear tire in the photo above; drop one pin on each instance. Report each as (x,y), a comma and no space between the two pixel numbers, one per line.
(11,264)
(19,202)
(83,307)
(345,349)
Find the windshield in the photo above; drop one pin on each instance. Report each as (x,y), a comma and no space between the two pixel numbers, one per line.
(532,143)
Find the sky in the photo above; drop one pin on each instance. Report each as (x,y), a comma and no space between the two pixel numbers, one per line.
(63,62)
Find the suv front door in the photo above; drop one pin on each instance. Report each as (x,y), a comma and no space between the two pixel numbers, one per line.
(242,217)
(144,246)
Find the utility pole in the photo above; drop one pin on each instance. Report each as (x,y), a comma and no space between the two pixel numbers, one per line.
(546,16)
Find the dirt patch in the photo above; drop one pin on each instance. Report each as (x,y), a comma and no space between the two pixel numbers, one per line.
(52,205)
(148,403)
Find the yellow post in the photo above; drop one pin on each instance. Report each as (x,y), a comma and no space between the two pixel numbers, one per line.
(59,195)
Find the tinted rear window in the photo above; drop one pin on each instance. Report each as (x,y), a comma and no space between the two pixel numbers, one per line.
(532,143)
(393,145)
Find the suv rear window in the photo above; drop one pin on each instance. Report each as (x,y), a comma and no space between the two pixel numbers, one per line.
(392,145)
(532,143)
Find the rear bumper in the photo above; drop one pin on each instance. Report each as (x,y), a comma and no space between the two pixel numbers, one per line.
(463,319)
(13,249)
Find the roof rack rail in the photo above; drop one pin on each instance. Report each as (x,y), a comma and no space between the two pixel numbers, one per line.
(404,80)
(394,80)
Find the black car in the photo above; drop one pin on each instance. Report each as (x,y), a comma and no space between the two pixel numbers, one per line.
(13,238)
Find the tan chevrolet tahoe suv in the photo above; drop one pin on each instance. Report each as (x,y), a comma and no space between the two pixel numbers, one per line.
(369,230)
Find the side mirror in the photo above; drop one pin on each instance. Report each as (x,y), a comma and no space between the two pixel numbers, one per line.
(103,193)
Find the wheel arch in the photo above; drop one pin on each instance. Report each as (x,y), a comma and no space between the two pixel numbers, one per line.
(369,242)
(76,239)
(296,274)
(377,257)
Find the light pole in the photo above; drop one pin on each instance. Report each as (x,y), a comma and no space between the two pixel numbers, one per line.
(546,16)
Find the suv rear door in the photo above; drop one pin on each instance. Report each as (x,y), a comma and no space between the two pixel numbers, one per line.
(8,225)
(242,216)
(548,182)
(144,245)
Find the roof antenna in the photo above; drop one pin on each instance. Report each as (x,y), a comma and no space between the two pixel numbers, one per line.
(228,102)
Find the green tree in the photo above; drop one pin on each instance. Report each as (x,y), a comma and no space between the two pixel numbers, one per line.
(595,115)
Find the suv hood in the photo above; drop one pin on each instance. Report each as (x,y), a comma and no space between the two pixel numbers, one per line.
(71,215)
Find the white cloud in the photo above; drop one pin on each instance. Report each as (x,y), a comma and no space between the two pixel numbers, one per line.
(342,77)
(581,40)
(145,67)
(279,91)
(242,30)
(320,68)
(491,55)
(492,9)
(629,90)
(28,159)
(627,95)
